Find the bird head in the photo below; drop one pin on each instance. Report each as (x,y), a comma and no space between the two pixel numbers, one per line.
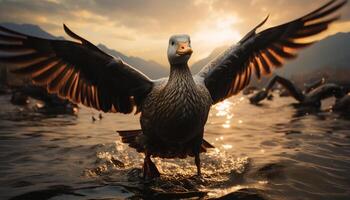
(179,49)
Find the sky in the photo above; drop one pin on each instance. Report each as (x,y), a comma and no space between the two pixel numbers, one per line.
(142,27)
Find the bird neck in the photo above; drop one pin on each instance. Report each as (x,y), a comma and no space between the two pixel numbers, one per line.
(180,77)
(179,71)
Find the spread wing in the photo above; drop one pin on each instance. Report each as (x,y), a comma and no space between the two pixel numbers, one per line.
(261,52)
(78,71)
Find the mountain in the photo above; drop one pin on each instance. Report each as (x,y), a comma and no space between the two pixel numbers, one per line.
(30,29)
(328,57)
(197,66)
(151,68)
(332,53)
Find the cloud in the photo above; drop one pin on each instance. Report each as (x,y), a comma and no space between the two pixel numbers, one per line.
(142,28)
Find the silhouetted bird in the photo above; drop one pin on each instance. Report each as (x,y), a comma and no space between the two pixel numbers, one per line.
(52,103)
(174,109)
(308,98)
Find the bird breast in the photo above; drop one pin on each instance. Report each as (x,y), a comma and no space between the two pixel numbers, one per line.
(176,111)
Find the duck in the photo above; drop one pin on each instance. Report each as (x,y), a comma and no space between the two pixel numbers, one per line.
(174,109)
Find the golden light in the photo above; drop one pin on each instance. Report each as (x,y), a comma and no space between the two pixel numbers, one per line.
(216,31)
(226,125)
(227,146)
(223,108)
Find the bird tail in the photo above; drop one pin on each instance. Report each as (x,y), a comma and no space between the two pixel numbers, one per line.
(206,145)
(133,138)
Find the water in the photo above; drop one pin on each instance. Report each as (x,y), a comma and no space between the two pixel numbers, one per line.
(272,151)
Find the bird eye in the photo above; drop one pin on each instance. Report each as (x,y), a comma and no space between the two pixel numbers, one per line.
(172,43)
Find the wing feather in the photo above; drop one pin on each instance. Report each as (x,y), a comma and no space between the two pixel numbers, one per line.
(78,71)
(263,51)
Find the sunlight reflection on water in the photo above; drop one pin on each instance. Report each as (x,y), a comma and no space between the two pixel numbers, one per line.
(224,109)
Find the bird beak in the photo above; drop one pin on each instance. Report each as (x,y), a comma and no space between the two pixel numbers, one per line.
(183,48)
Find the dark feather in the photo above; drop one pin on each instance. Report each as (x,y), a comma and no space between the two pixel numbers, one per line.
(78,71)
(23,58)
(133,138)
(35,67)
(50,73)
(272,59)
(63,92)
(278,50)
(257,68)
(294,45)
(55,84)
(263,51)
(263,64)
(13,48)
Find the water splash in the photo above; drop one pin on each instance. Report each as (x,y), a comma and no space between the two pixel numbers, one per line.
(116,162)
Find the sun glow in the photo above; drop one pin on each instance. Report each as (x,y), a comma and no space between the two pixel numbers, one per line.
(215,32)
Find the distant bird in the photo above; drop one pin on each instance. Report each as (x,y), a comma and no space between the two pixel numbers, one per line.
(93,118)
(52,103)
(100,116)
(307,98)
(311,86)
(175,109)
